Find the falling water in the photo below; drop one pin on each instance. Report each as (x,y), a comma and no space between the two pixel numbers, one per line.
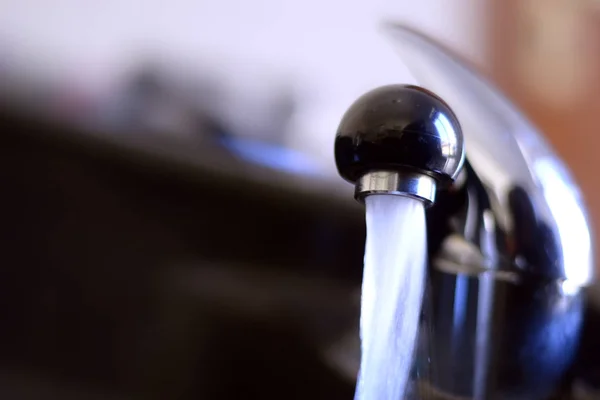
(392,291)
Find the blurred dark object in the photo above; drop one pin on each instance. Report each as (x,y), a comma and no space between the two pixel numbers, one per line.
(131,274)
(149,101)
(155,98)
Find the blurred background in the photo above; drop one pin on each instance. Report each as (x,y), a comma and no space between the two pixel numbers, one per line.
(287,71)
(167,231)
(296,64)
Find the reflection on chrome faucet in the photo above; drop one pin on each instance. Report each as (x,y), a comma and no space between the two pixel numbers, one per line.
(509,240)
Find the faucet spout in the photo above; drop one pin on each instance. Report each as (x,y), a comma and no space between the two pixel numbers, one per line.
(509,241)
(400,140)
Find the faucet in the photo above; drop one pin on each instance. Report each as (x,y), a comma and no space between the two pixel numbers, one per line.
(509,242)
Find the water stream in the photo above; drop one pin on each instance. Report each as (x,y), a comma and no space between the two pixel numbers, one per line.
(392,292)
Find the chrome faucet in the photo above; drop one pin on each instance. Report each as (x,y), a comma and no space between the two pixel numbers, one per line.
(509,241)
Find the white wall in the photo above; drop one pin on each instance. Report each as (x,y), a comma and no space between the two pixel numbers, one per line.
(332,47)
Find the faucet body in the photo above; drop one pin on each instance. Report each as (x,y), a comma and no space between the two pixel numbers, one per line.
(509,243)
(499,329)
(510,246)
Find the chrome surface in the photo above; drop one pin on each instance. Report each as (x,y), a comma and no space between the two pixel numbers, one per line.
(540,220)
(500,339)
(418,186)
(509,243)
(509,240)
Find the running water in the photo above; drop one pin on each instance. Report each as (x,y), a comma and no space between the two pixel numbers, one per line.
(392,292)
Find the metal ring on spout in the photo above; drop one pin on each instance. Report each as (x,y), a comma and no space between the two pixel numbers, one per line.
(418,186)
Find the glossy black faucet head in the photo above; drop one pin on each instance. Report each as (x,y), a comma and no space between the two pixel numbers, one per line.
(400,128)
